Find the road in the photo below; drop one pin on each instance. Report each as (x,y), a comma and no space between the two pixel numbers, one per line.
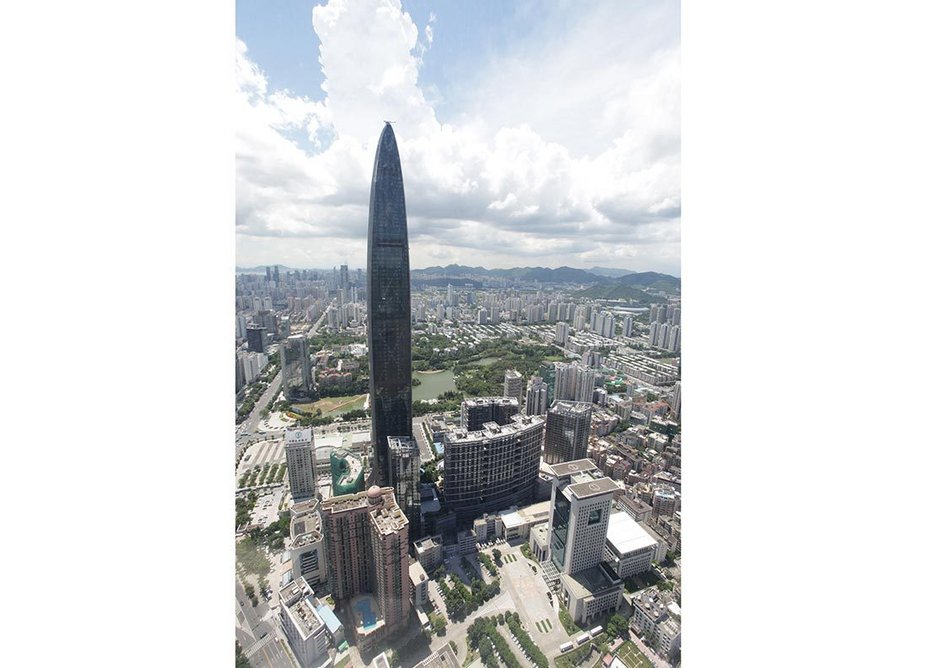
(247,431)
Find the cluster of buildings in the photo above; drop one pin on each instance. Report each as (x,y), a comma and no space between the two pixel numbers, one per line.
(587,478)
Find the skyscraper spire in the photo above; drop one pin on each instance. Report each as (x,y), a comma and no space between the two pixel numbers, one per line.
(388,306)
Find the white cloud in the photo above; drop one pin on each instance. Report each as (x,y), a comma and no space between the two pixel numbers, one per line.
(491,189)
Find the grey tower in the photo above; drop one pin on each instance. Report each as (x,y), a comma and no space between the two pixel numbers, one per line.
(388,307)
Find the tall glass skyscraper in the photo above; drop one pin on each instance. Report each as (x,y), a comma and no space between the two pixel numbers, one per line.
(388,307)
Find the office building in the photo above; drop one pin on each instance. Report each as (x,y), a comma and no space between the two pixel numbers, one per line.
(581,502)
(477,411)
(301,462)
(302,625)
(492,468)
(366,538)
(567,431)
(257,338)
(535,402)
(388,306)
(295,369)
(307,551)
(404,462)
(514,385)
(347,471)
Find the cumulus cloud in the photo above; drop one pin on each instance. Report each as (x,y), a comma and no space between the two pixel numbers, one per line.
(490,189)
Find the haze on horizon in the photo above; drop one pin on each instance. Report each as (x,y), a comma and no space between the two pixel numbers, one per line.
(520,146)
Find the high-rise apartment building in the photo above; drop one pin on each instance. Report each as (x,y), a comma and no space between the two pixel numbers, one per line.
(574,382)
(492,468)
(301,462)
(295,368)
(366,538)
(388,306)
(514,385)
(404,460)
(536,397)
(627,326)
(567,431)
(477,411)
(561,333)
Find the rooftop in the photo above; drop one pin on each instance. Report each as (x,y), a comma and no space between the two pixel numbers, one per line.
(298,436)
(565,469)
(417,573)
(442,658)
(585,490)
(626,535)
(590,582)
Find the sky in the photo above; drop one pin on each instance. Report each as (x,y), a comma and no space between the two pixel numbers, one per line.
(530,133)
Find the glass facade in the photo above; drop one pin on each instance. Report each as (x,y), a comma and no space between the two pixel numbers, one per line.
(296,369)
(558,538)
(388,306)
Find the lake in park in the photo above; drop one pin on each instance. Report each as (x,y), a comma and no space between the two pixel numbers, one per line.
(433,384)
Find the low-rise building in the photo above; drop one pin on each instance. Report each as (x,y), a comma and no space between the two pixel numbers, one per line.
(442,658)
(629,548)
(659,622)
(429,552)
(419,585)
(304,628)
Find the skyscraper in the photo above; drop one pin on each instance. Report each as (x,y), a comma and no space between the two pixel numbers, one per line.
(514,385)
(568,430)
(296,369)
(388,306)
(536,397)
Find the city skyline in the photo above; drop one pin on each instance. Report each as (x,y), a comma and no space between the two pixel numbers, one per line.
(503,171)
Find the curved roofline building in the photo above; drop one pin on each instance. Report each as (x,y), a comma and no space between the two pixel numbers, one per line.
(388,307)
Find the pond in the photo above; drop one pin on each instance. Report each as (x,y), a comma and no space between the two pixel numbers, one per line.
(433,384)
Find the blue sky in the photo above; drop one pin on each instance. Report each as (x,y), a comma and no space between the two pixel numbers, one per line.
(531,133)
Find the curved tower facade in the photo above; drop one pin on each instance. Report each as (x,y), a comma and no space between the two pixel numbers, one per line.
(388,306)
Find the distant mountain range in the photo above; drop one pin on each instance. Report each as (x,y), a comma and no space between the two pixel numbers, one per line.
(605,282)
(611,273)
(540,274)
(633,286)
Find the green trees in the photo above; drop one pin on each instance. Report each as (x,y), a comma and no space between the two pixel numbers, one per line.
(617,627)
(487,562)
(483,634)
(461,600)
(498,556)
(567,621)
(241,661)
(437,623)
(537,656)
